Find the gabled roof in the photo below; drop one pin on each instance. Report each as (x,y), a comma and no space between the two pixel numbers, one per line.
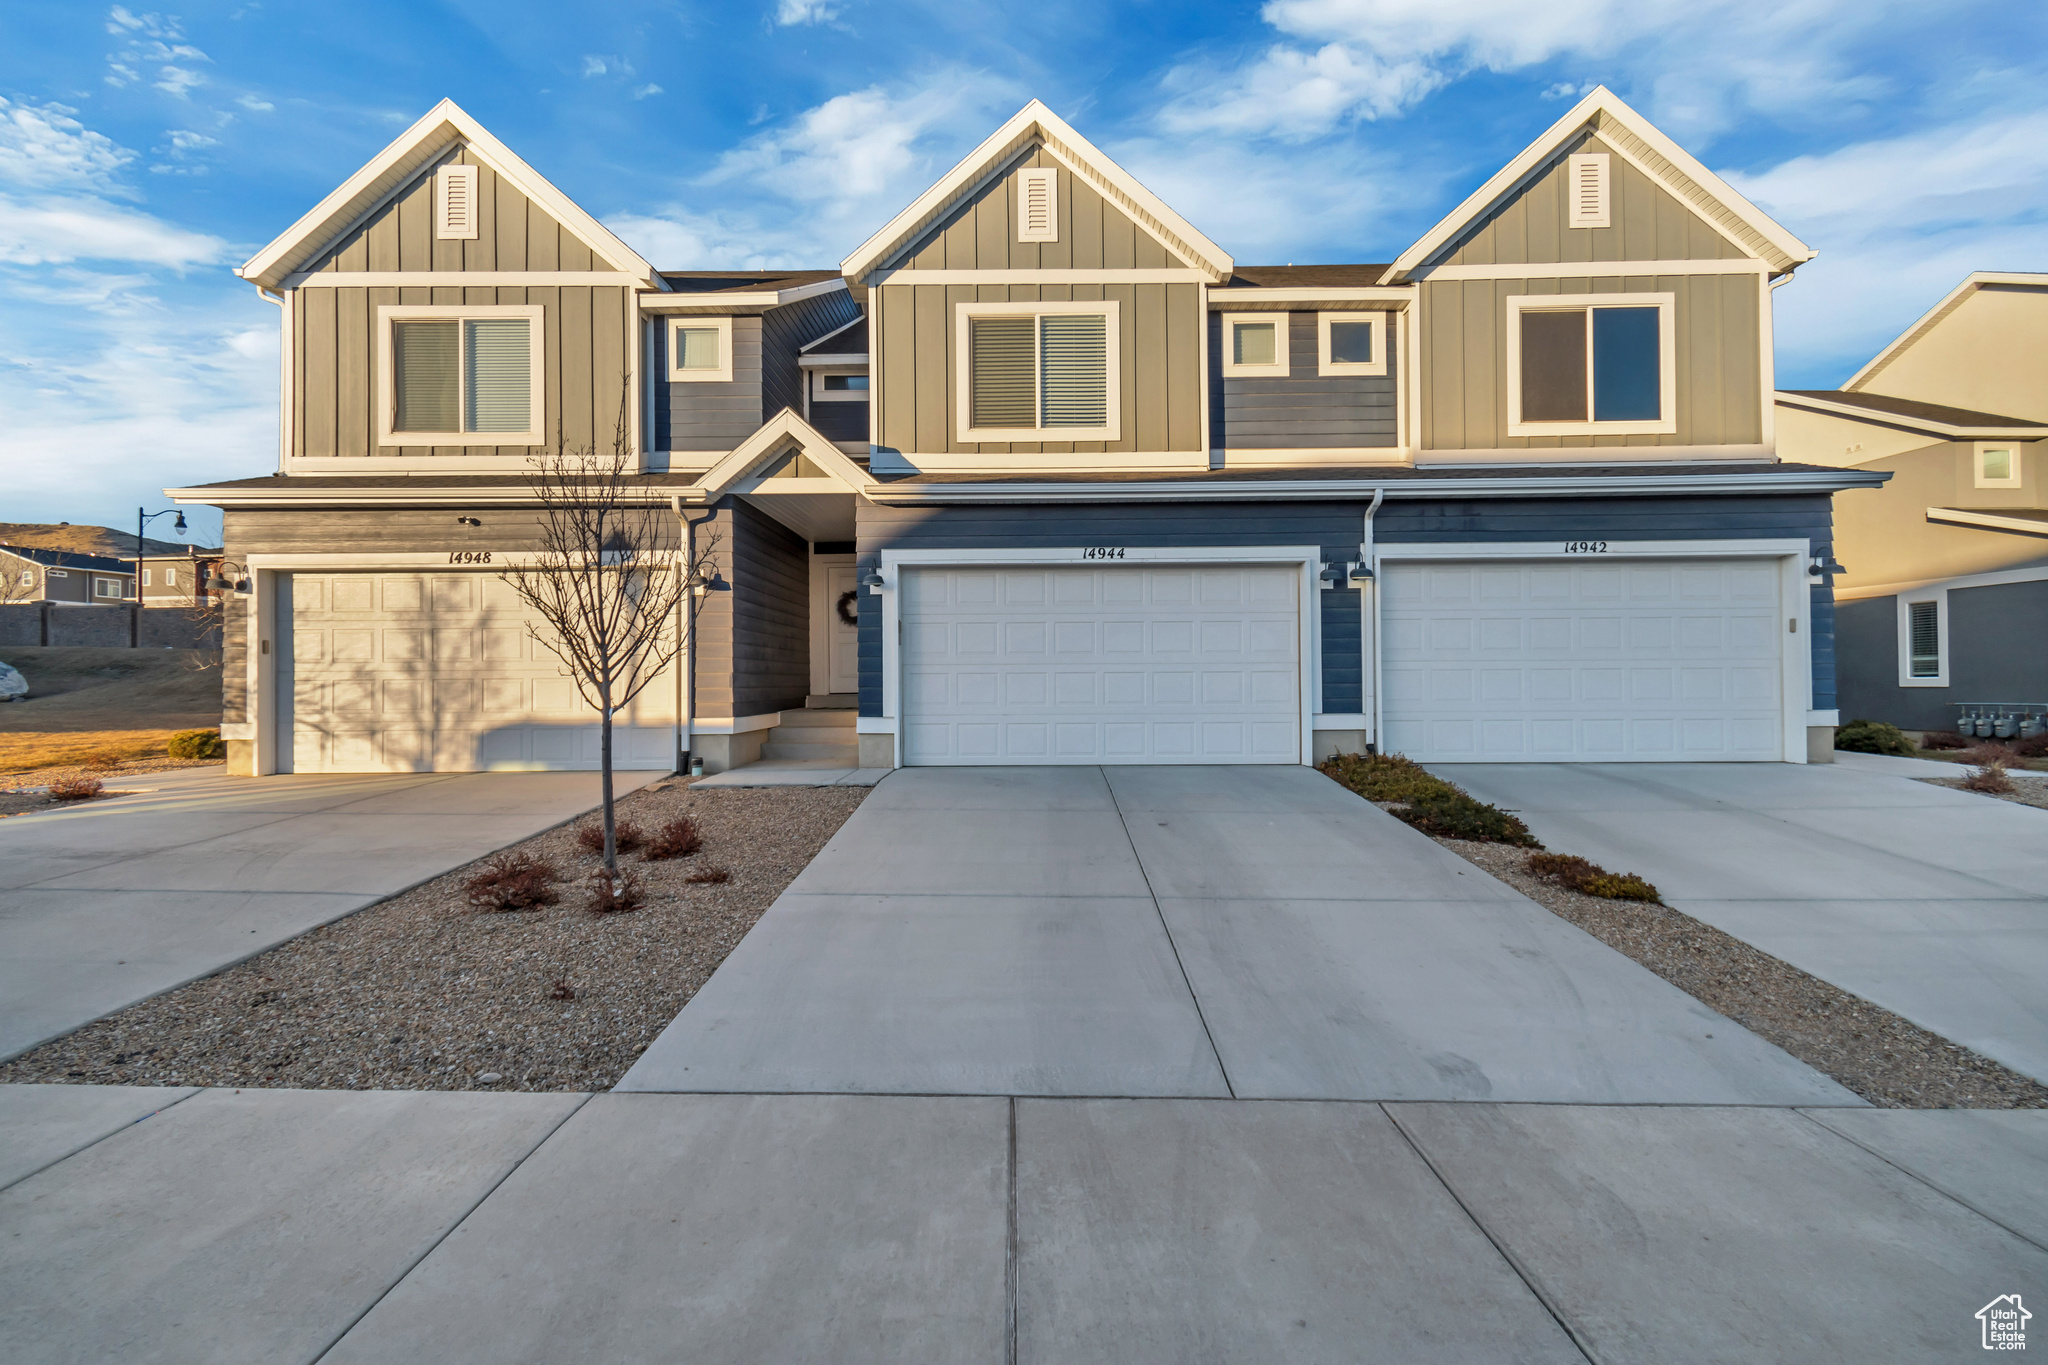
(392,169)
(778,436)
(1036,123)
(1976,280)
(70,559)
(1961,423)
(841,346)
(1656,155)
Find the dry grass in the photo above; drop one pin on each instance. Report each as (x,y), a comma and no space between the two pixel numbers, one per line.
(79,749)
(90,706)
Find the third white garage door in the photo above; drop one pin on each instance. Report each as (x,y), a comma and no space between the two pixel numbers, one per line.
(1101,665)
(1607,661)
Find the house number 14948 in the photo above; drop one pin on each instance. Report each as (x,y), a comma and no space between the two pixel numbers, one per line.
(469,556)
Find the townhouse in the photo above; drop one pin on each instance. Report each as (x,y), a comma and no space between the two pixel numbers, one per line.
(1041,474)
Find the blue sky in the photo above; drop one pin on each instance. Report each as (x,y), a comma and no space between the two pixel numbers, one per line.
(144,152)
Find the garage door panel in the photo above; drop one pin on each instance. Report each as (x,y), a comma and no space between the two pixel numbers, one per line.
(1116,664)
(1552,661)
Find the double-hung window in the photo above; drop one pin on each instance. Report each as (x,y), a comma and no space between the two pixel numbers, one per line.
(459,375)
(1038,371)
(1591,364)
(1923,638)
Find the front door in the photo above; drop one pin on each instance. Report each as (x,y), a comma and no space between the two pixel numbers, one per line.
(842,639)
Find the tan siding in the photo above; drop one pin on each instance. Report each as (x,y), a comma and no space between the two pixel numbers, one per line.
(1718,361)
(982,233)
(316,397)
(1648,223)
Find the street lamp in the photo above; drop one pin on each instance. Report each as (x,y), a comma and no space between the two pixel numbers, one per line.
(143,519)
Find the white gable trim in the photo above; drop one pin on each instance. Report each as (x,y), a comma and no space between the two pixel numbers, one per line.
(445,126)
(777,436)
(1036,123)
(1607,115)
(1949,303)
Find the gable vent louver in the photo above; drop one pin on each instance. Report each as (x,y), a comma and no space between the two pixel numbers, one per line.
(1038,205)
(455,203)
(1587,185)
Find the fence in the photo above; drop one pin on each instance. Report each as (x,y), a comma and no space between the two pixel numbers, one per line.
(59,623)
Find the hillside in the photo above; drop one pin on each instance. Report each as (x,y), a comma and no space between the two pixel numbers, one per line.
(86,540)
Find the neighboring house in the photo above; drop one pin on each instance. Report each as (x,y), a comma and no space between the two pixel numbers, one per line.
(1943,604)
(177,580)
(35,575)
(1040,474)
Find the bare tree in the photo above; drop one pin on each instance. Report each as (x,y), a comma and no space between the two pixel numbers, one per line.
(611,584)
(12,589)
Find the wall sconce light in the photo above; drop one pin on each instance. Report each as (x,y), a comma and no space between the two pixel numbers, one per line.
(467,521)
(872,580)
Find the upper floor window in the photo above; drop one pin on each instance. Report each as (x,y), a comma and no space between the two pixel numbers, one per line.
(1351,343)
(700,350)
(28,578)
(1255,345)
(1038,371)
(170,576)
(1998,467)
(1591,364)
(453,374)
(839,388)
(146,574)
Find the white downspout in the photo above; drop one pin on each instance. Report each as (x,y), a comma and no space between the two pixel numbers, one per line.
(284,377)
(1369,608)
(686,682)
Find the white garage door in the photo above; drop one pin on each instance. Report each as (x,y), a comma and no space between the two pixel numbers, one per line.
(1657,661)
(1101,665)
(414,672)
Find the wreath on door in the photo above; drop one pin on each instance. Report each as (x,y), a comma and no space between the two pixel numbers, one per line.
(846,606)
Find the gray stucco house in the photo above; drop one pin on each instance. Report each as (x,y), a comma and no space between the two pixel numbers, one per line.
(1040,474)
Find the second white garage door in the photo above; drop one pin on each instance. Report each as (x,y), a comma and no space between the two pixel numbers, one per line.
(1601,661)
(1101,665)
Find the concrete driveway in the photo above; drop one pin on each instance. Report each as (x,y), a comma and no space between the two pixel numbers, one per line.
(1930,902)
(108,903)
(1254,932)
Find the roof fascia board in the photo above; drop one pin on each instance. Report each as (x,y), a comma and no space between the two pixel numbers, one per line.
(677,301)
(1921,424)
(820,341)
(443,126)
(1949,303)
(1990,521)
(1233,300)
(1827,481)
(980,167)
(774,436)
(1601,106)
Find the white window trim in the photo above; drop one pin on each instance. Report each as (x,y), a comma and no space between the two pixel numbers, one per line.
(28,578)
(1977,453)
(1667,361)
(963,352)
(1050,178)
(1938,596)
(537,388)
(146,578)
(723,373)
(1280,368)
(820,395)
(466,231)
(57,573)
(1603,165)
(1326,366)
(119,586)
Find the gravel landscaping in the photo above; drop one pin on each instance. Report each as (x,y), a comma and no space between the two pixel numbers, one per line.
(423,992)
(1883,1058)
(2027,791)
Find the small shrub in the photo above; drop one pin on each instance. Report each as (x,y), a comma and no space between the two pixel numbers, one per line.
(1385,777)
(76,788)
(1589,879)
(710,876)
(2033,746)
(1988,777)
(1873,737)
(626,836)
(613,896)
(679,838)
(512,881)
(1459,816)
(102,762)
(199,744)
(1944,739)
(1989,753)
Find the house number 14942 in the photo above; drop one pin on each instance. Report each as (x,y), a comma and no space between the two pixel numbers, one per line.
(1585,547)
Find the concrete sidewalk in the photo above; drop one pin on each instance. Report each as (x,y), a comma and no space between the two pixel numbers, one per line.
(277,1226)
(1928,901)
(108,903)
(1256,932)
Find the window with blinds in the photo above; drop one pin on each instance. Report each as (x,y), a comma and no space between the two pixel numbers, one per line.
(1586,188)
(457,376)
(1046,371)
(1924,639)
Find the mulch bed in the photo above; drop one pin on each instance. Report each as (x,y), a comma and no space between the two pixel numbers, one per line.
(1888,1061)
(2027,791)
(423,992)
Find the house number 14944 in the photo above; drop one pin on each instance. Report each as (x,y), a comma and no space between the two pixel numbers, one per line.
(1102,552)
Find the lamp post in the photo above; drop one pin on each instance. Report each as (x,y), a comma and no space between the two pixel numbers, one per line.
(143,519)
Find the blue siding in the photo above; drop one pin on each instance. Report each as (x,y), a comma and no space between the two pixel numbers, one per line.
(1343,664)
(1304,411)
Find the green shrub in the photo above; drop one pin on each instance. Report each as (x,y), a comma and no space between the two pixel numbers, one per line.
(1458,816)
(1873,737)
(1385,777)
(1590,879)
(200,744)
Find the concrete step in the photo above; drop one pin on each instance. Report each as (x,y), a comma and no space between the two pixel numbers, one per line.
(849,753)
(833,701)
(818,722)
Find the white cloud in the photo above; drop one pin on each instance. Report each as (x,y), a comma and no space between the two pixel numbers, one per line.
(593,66)
(153,40)
(43,147)
(255,104)
(53,229)
(177,81)
(789,12)
(648,89)
(1291,93)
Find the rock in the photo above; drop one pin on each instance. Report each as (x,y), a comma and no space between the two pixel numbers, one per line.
(490,1078)
(13,687)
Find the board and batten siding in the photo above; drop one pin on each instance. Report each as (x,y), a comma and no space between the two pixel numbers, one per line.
(335,342)
(916,368)
(1719,345)
(1305,410)
(1094,234)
